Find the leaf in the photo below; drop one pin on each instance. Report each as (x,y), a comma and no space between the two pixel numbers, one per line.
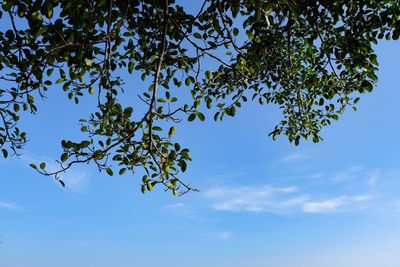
(192,117)
(197,35)
(33,166)
(85,144)
(208,74)
(42,165)
(61,182)
(149,186)
(187,81)
(177,146)
(5,153)
(36,15)
(201,116)
(122,171)
(183,165)
(98,154)
(49,10)
(91,90)
(232,111)
(60,80)
(171,131)
(131,65)
(64,157)
(109,172)
(89,62)
(216,116)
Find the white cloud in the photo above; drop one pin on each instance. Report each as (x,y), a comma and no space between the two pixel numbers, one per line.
(175,206)
(349,174)
(224,235)
(74,179)
(373,178)
(9,205)
(246,198)
(318,175)
(293,157)
(337,204)
(280,200)
(325,206)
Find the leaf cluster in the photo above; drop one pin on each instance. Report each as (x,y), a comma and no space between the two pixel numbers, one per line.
(310,58)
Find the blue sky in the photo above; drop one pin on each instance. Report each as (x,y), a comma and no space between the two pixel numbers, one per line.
(262,203)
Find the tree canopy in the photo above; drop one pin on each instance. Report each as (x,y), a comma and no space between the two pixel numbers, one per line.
(310,58)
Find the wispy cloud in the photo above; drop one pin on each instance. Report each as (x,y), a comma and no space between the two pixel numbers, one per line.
(280,200)
(245,198)
(223,235)
(176,206)
(348,174)
(337,204)
(293,157)
(187,211)
(373,178)
(9,205)
(74,179)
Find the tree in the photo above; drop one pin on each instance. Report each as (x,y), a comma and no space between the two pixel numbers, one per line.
(311,58)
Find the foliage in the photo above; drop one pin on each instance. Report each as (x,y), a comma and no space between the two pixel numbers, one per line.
(310,58)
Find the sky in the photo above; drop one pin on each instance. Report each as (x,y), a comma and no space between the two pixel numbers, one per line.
(261,202)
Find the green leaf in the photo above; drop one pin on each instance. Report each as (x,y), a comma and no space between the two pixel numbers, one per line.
(149,186)
(91,90)
(89,62)
(60,80)
(64,157)
(122,171)
(33,166)
(183,165)
(197,35)
(187,81)
(43,165)
(131,65)
(5,153)
(171,131)
(201,116)
(208,74)
(109,172)
(61,182)
(192,117)
(49,10)
(177,146)
(36,15)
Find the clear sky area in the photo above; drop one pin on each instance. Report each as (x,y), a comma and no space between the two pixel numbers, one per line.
(262,203)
